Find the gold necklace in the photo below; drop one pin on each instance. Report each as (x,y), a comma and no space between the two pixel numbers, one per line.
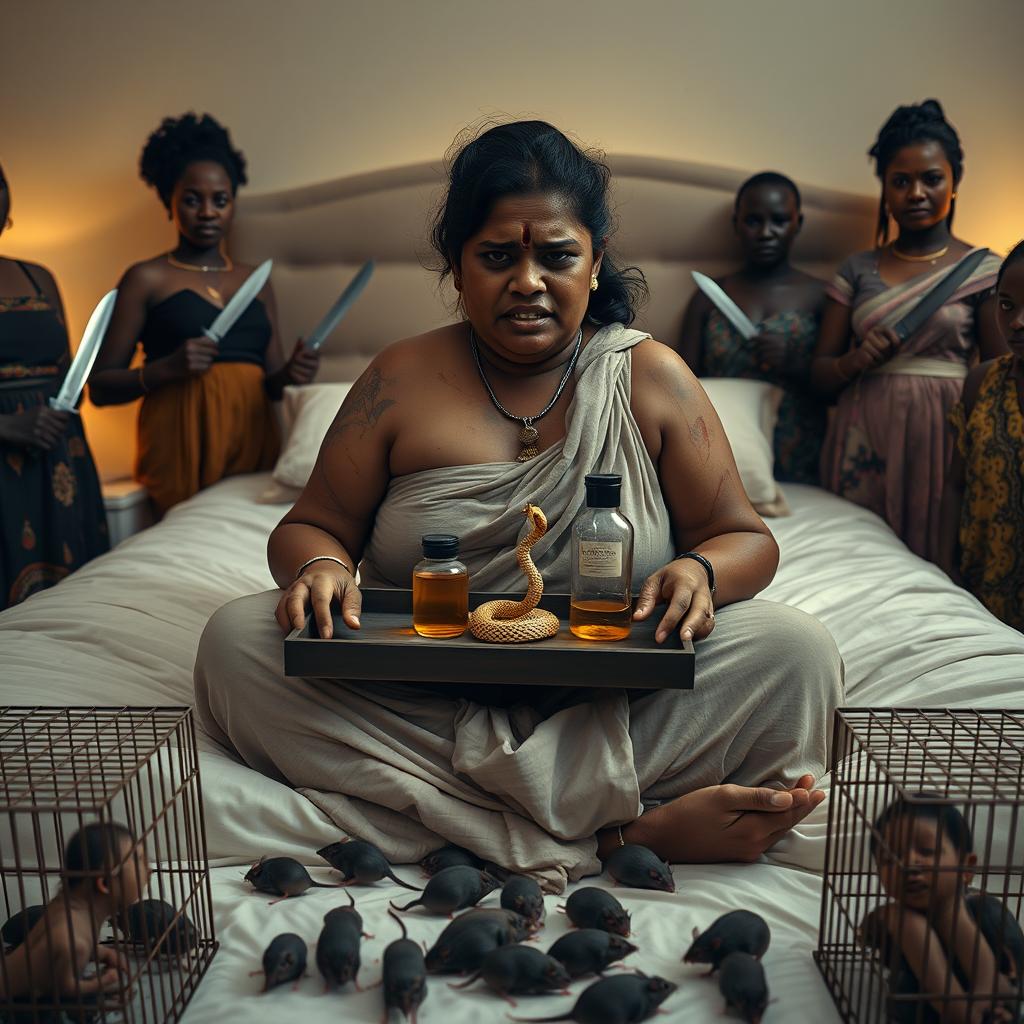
(200,268)
(930,257)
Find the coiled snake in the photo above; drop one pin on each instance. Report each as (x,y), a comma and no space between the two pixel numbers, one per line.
(516,622)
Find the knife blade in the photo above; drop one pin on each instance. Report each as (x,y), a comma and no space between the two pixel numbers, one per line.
(725,305)
(239,302)
(78,372)
(341,306)
(937,295)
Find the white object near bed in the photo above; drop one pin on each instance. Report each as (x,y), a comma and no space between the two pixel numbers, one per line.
(124,629)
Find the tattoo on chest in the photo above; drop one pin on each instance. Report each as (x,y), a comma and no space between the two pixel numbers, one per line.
(363,407)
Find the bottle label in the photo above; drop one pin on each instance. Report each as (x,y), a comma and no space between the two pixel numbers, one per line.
(600,558)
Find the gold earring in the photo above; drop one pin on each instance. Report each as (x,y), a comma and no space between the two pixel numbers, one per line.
(593,283)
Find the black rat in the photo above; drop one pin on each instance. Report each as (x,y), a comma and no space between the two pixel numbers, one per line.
(282,876)
(284,960)
(523,895)
(589,951)
(591,907)
(403,975)
(360,862)
(639,868)
(519,970)
(337,948)
(739,931)
(742,982)
(448,857)
(471,936)
(453,889)
(624,999)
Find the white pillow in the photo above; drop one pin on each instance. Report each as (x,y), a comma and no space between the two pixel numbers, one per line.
(748,410)
(306,412)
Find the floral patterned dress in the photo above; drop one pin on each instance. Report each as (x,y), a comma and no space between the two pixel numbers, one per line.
(52,518)
(887,444)
(991,441)
(801,424)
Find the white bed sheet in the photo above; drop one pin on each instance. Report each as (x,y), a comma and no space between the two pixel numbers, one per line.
(124,630)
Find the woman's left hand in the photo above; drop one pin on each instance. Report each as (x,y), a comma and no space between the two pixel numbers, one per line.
(772,350)
(683,586)
(303,364)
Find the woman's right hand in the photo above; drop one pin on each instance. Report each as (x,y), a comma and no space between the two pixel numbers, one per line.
(193,358)
(39,427)
(879,345)
(321,585)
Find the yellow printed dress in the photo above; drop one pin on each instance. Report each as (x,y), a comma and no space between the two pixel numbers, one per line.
(991,441)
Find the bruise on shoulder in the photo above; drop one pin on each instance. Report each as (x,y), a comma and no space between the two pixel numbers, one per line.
(363,406)
(700,438)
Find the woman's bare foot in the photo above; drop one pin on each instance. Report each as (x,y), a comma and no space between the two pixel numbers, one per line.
(720,823)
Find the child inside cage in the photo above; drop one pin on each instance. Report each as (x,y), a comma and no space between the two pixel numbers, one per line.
(105,870)
(937,937)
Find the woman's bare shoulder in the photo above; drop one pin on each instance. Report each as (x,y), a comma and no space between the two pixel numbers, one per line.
(658,364)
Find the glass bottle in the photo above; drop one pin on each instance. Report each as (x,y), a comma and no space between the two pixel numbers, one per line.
(440,588)
(601,606)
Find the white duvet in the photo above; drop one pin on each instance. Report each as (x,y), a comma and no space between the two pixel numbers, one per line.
(124,630)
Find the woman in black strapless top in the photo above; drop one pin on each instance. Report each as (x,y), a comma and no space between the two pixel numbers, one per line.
(51,509)
(205,412)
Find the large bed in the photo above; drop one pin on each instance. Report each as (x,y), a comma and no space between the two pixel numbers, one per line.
(124,629)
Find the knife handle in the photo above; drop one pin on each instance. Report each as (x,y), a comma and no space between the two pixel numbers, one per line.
(52,402)
(207,333)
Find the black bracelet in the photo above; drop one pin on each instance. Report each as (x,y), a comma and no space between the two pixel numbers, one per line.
(703,561)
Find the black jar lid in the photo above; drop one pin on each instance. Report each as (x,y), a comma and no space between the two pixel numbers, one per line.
(603,490)
(440,545)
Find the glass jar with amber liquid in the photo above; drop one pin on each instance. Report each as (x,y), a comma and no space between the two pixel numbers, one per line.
(601,605)
(440,588)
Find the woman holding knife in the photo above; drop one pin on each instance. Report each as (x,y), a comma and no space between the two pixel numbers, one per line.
(51,509)
(205,412)
(887,448)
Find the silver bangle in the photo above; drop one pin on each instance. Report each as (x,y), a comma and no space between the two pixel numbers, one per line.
(322,558)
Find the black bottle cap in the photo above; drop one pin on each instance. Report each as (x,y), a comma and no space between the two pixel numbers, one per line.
(603,490)
(440,545)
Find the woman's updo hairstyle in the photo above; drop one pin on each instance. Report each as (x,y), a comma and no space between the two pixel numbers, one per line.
(918,122)
(180,141)
(527,158)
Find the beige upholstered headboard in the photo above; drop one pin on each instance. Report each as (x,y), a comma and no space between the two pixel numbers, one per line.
(673,217)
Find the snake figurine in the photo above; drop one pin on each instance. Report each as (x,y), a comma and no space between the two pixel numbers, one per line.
(517,622)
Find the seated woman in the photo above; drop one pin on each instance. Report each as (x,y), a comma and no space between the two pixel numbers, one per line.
(205,412)
(886,447)
(785,304)
(431,438)
(52,518)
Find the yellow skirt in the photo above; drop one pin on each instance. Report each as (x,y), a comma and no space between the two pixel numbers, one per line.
(197,432)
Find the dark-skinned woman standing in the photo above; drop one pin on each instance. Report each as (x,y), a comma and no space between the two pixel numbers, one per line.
(205,412)
(785,304)
(431,437)
(888,446)
(51,508)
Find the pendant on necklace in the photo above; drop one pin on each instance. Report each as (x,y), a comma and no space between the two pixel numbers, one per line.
(528,439)
(215,295)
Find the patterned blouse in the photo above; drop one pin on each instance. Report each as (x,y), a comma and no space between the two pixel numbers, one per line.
(991,441)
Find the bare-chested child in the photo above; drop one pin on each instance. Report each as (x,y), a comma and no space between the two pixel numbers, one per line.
(936,937)
(105,870)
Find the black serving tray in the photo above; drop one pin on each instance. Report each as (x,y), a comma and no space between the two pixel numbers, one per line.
(388,649)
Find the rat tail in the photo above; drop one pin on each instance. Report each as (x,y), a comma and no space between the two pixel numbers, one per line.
(408,906)
(475,976)
(541,1020)
(401,923)
(404,885)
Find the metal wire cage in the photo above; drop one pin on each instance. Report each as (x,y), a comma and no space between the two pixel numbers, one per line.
(924,866)
(103,867)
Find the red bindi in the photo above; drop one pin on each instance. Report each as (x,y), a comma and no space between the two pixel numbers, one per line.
(526,235)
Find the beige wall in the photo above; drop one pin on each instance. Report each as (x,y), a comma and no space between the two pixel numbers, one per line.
(315,89)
